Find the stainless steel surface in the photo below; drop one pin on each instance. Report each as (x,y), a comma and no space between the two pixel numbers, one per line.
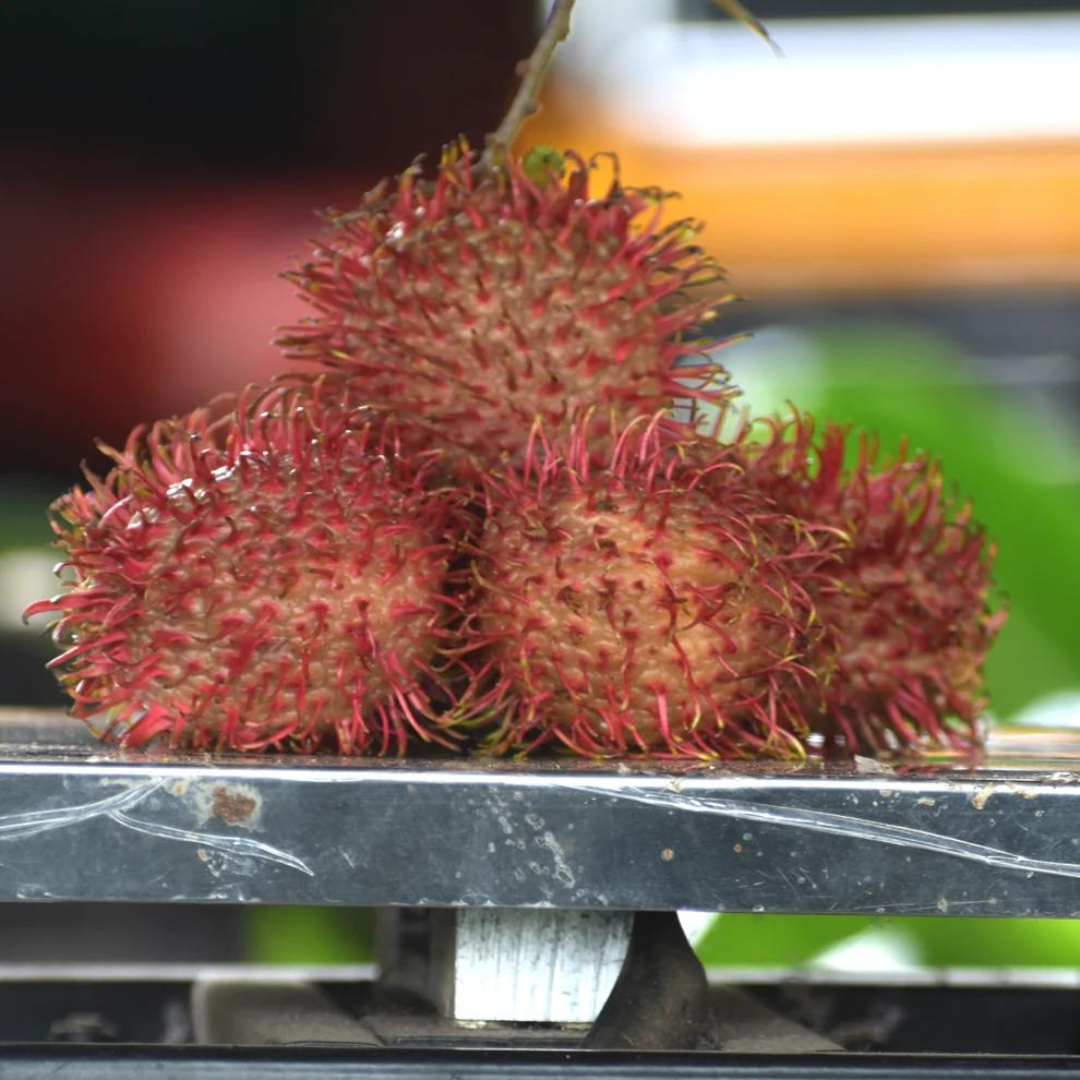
(81,821)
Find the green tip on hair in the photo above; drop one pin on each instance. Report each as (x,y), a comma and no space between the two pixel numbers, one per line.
(544,163)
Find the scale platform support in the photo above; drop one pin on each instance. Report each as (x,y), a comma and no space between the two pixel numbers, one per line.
(79,821)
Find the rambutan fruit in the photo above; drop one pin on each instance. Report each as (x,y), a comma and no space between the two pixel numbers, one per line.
(652,606)
(268,571)
(907,606)
(489,297)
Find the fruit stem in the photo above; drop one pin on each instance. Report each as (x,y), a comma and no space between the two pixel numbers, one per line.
(532,71)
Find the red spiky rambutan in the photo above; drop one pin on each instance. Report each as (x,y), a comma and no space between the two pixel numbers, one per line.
(487,298)
(268,571)
(653,606)
(907,607)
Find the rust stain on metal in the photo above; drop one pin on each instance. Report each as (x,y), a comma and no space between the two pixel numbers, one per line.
(234,807)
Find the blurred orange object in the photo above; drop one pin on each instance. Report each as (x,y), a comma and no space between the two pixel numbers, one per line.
(844,218)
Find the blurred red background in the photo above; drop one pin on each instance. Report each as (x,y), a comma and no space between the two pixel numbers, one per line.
(162,166)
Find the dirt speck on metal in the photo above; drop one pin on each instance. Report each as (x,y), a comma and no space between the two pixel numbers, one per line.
(236,807)
(234,804)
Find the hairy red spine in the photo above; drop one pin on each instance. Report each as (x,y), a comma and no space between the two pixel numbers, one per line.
(652,606)
(267,571)
(908,607)
(485,299)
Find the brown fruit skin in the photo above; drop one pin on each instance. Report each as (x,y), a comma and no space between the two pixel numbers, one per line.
(641,608)
(908,609)
(486,299)
(266,572)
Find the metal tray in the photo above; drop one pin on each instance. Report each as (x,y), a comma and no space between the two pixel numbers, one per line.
(79,821)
